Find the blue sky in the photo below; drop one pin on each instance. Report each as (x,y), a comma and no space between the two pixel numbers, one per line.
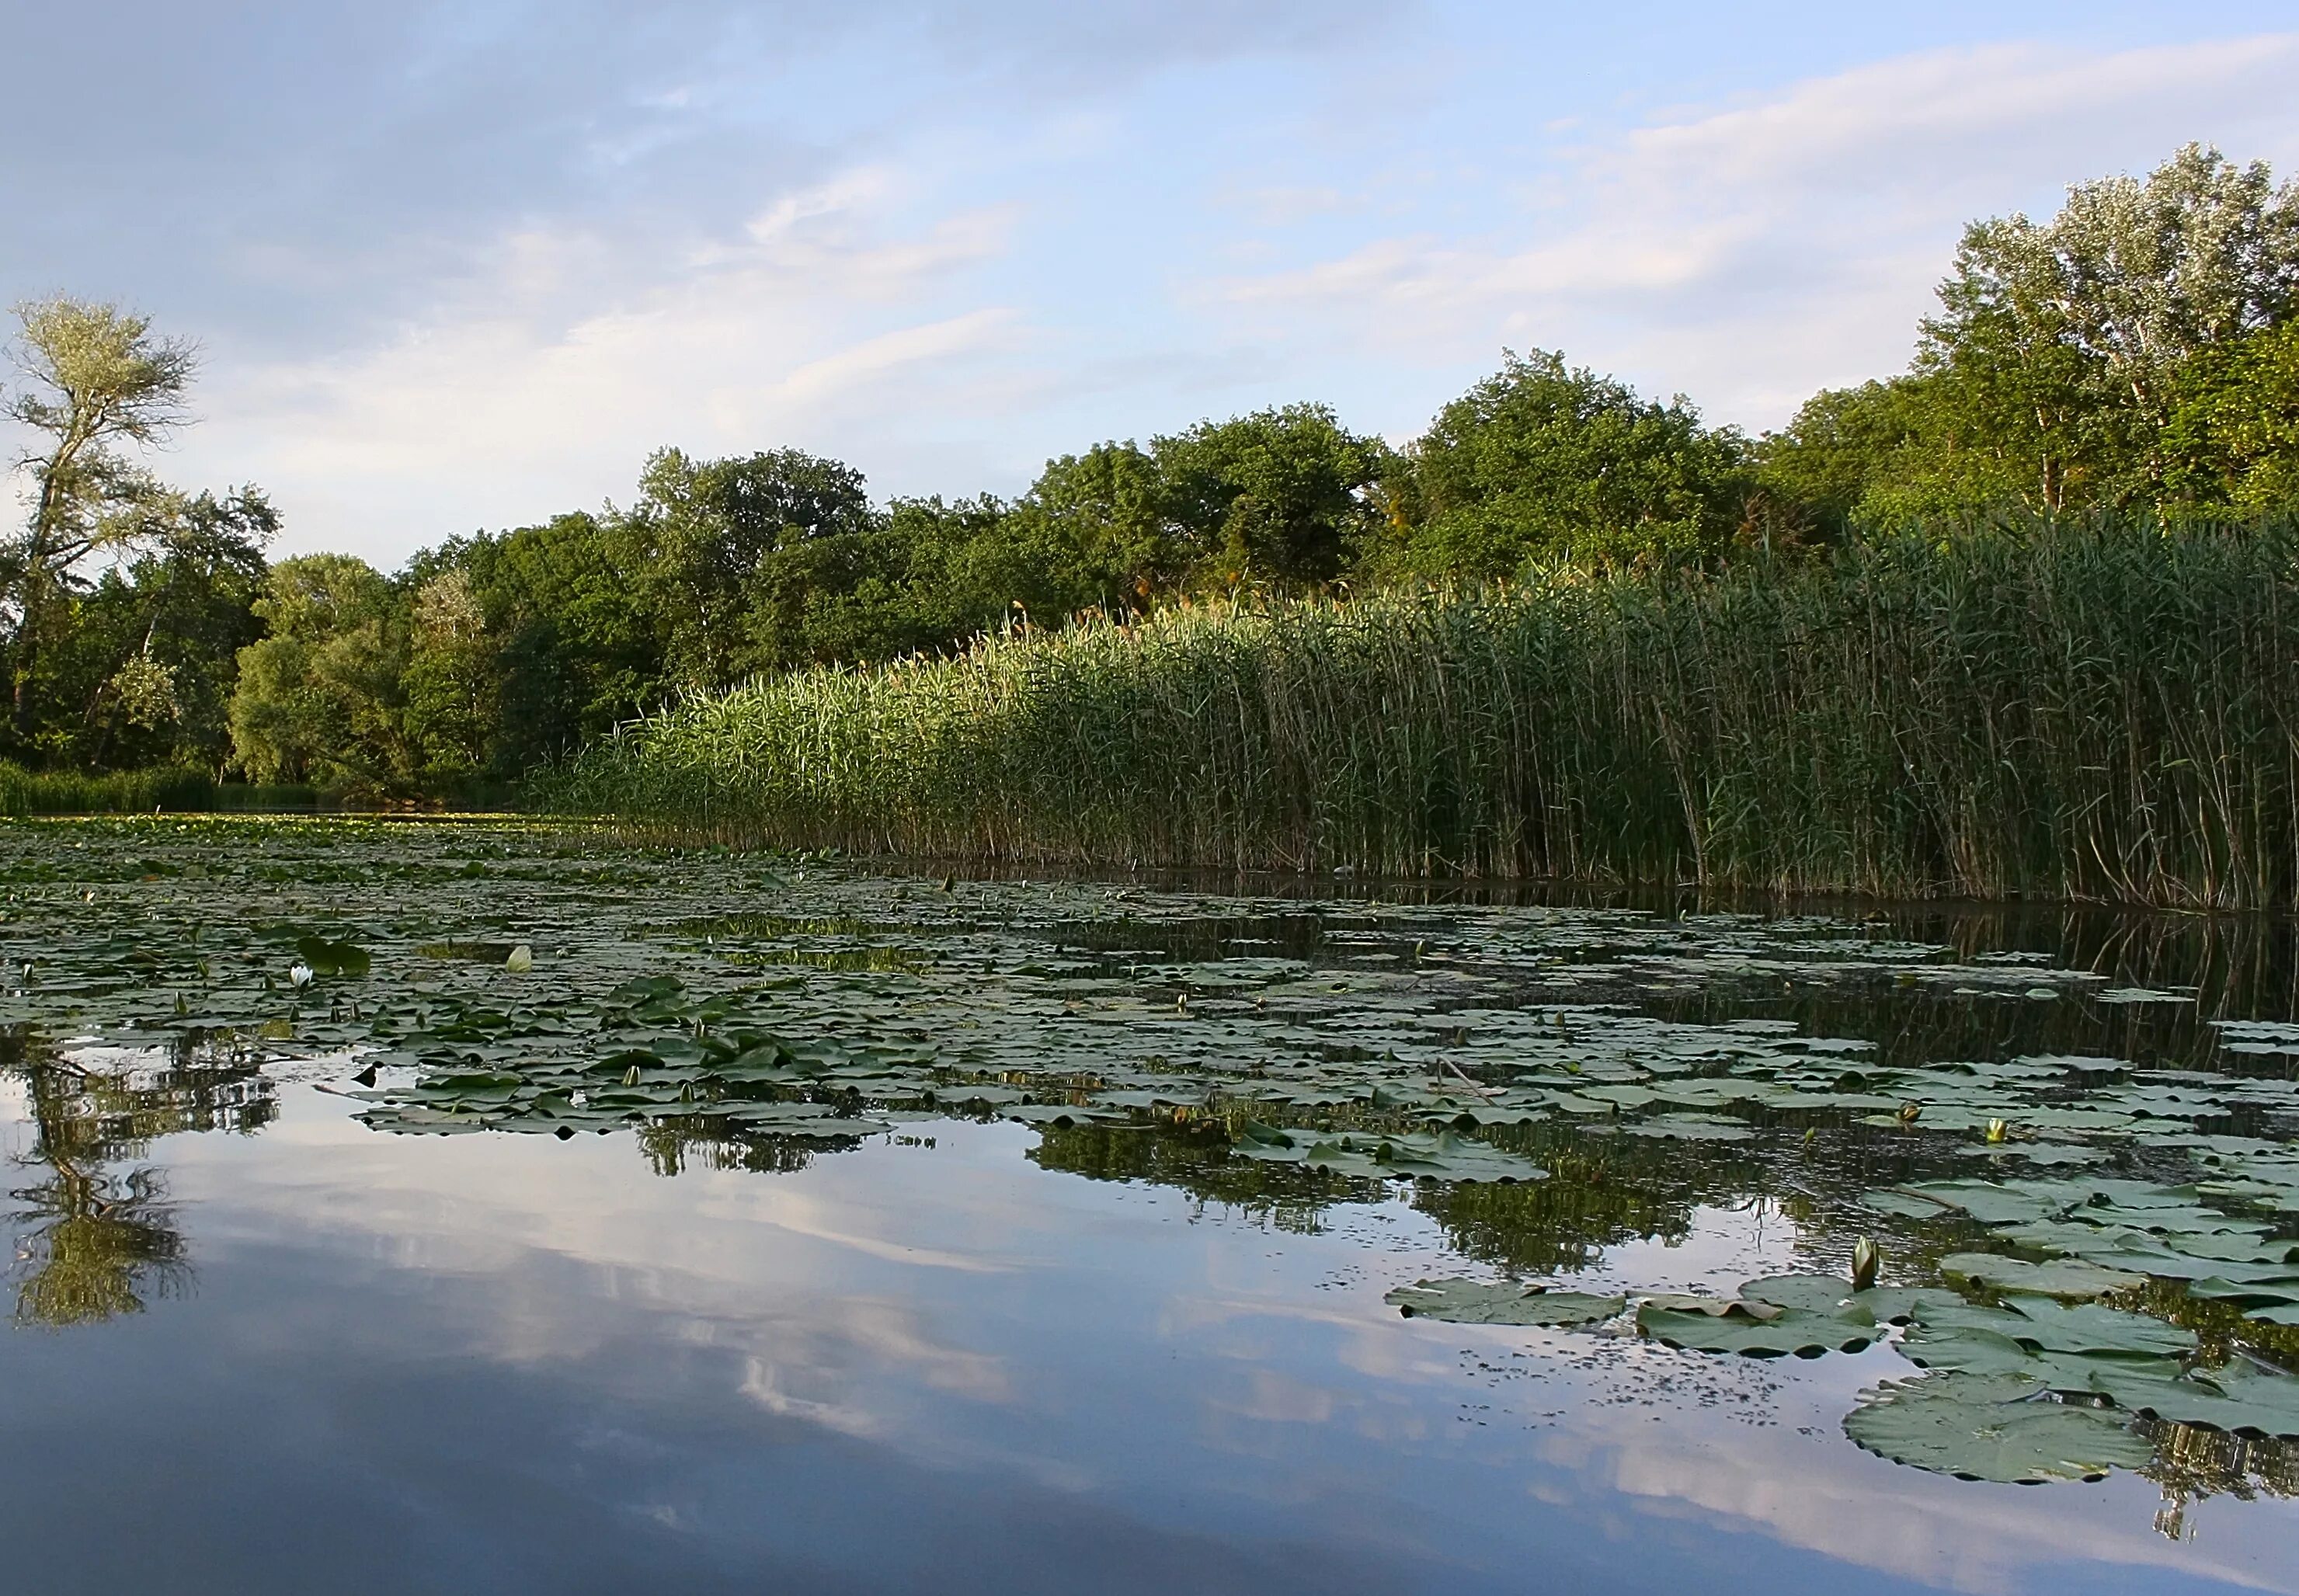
(464,265)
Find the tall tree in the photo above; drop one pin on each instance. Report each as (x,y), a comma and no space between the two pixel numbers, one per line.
(452,681)
(1108,507)
(322,697)
(1544,460)
(144,672)
(2061,341)
(1280,498)
(2232,442)
(98,378)
(707,527)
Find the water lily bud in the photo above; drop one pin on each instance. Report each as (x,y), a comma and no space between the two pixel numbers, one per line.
(300,974)
(1865,1262)
(521,960)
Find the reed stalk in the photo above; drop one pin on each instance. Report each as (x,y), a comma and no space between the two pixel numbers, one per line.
(2104,711)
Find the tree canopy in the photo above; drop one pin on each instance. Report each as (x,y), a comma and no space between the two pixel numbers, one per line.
(2102,359)
(2136,353)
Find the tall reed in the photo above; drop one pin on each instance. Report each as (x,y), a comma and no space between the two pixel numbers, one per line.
(2103,711)
(137,792)
(124,791)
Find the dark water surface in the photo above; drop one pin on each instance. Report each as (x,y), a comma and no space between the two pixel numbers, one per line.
(272,1335)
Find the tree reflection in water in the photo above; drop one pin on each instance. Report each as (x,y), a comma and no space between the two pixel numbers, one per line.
(96,1235)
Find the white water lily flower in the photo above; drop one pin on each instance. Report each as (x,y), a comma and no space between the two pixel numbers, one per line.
(521,960)
(1866,1259)
(300,974)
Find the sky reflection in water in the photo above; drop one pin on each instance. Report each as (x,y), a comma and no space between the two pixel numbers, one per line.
(513,1363)
(800,1328)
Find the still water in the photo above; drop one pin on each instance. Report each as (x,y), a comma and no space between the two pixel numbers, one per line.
(326,1279)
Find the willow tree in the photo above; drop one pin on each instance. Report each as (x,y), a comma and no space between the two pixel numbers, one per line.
(96,381)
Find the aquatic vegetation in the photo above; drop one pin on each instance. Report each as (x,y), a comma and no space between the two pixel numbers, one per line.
(1470,1302)
(2077,1214)
(2101,712)
(1983,1427)
(137,793)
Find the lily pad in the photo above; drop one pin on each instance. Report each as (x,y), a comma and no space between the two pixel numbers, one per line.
(2069,1281)
(1992,1427)
(1759,1329)
(1833,1295)
(1442,1156)
(329,958)
(1503,1302)
(2236,1398)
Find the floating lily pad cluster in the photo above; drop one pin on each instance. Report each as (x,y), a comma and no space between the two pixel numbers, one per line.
(2050,1144)
(2033,1390)
(2098,1233)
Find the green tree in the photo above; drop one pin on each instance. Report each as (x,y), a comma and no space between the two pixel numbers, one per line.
(321,696)
(706,527)
(144,672)
(2059,344)
(451,686)
(1284,498)
(98,378)
(1104,517)
(924,577)
(1544,460)
(1915,448)
(579,640)
(2232,442)
(2122,354)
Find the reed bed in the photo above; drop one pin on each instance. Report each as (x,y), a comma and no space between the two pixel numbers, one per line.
(137,792)
(2108,711)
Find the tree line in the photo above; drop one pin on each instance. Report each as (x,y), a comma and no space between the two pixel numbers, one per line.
(2136,354)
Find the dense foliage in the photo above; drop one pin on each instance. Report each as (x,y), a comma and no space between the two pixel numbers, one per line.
(2109,711)
(2136,355)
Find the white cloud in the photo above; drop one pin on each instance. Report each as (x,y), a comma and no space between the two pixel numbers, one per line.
(1752,254)
(1871,1514)
(950,309)
(525,392)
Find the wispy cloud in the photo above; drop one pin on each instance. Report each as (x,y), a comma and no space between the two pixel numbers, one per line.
(521,393)
(1751,254)
(464,265)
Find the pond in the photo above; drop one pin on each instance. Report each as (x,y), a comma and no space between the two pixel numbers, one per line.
(410,1205)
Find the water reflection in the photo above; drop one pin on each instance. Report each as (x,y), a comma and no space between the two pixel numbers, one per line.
(98,1236)
(958,1351)
(96,1233)
(526,1364)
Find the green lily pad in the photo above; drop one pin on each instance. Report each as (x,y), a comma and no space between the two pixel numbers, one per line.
(1992,1427)
(1503,1302)
(1689,1128)
(2250,1296)
(2091,1330)
(1757,1329)
(2001,1202)
(2069,1280)
(1442,1156)
(1832,1295)
(329,958)
(2236,1399)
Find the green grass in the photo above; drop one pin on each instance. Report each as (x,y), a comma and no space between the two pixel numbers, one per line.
(137,792)
(2105,712)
